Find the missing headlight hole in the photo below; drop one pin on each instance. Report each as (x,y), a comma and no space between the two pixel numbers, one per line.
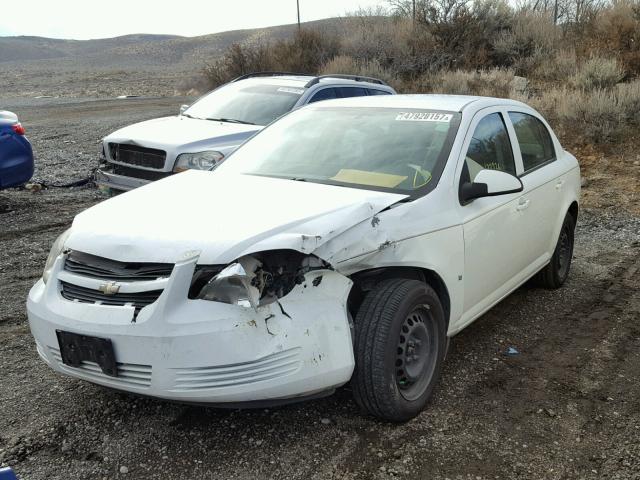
(273,274)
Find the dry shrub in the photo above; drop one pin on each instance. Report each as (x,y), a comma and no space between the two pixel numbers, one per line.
(598,73)
(344,64)
(558,68)
(305,53)
(628,99)
(528,44)
(393,43)
(238,60)
(573,69)
(615,31)
(465,31)
(600,116)
(596,113)
(492,83)
(341,64)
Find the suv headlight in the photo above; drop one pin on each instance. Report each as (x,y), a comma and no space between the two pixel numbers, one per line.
(56,250)
(197,161)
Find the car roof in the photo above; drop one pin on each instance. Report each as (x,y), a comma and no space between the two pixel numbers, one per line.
(452,103)
(300,81)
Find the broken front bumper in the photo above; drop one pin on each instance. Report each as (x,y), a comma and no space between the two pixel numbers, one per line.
(204,351)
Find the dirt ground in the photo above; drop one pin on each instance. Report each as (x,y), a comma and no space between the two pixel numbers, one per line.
(567,406)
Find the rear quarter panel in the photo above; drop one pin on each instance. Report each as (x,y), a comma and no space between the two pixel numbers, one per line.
(571,192)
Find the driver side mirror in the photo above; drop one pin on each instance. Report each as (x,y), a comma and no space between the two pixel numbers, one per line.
(183,108)
(489,183)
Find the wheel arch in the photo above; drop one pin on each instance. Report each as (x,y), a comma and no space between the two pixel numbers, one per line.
(573,211)
(365,280)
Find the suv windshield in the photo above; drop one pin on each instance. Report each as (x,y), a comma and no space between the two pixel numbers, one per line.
(400,150)
(244,102)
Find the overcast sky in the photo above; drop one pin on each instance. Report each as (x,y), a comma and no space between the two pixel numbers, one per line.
(82,19)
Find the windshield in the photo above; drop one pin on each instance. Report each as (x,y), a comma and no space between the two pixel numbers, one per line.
(376,148)
(245,103)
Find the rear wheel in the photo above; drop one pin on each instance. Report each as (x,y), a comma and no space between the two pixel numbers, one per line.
(400,346)
(556,272)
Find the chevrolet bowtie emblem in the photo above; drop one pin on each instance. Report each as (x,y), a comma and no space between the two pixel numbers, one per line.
(109,288)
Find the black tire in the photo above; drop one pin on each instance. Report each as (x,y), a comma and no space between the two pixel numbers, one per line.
(400,345)
(556,272)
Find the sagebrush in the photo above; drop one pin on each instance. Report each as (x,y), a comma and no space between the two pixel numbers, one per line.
(580,70)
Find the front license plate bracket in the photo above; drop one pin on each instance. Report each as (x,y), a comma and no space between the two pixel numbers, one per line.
(76,348)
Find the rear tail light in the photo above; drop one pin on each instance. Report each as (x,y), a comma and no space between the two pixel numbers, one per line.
(18,128)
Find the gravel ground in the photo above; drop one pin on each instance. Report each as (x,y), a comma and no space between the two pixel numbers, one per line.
(565,407)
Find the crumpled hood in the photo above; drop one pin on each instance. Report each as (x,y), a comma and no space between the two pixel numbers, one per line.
(181,130)
(223,216)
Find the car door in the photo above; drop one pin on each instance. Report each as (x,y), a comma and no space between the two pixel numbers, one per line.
(542,197)
(493,225)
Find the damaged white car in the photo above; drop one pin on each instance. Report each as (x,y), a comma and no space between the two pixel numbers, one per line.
(344,243)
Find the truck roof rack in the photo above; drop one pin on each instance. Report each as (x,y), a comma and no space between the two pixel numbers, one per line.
(356,78)
(270,74)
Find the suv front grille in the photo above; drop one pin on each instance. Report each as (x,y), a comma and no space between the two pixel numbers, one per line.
(140,156)
(138,173)
(88,295)
(105,268)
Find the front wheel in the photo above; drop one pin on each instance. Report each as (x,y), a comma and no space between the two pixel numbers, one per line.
(400,347)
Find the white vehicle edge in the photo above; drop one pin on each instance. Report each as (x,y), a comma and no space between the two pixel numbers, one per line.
(470,255)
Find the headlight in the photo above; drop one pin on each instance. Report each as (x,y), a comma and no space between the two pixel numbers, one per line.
(254,280)
(56,250)
(233,285)
(197,161)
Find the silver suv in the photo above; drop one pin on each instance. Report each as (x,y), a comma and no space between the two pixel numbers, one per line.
(216,124)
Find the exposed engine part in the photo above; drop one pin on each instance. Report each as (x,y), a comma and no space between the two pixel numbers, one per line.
(265,277)
(281,270)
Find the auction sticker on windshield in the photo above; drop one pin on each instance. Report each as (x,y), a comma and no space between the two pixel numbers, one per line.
(424,117)
(297,91)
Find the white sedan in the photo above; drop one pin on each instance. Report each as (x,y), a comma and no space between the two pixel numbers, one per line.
(344,243)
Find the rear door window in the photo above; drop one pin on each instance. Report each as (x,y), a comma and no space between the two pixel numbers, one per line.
(534,139)
(346,92)
(373,91)
(324,94)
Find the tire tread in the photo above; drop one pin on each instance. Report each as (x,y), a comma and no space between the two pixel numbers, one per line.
(374,322)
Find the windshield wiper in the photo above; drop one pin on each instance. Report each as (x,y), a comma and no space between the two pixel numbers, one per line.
(230,120)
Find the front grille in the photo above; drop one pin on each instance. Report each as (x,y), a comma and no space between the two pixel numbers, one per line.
(129,374)
(138,173)
(140,156)
(104,268)
(138,300)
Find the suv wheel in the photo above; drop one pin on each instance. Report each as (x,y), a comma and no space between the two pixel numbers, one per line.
(399,348)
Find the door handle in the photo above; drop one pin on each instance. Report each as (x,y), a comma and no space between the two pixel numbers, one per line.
(559,184)
(523,204)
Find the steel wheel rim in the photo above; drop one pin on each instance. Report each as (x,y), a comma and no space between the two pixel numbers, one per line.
(416,353)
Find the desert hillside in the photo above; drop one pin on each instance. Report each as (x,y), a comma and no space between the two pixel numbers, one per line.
(132,64)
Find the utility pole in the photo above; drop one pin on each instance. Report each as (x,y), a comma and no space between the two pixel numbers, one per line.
(298,5)
(555,13)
